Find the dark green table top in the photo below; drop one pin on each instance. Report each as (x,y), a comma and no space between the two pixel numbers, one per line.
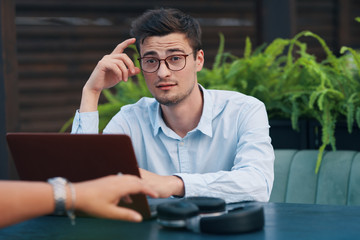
(282,221)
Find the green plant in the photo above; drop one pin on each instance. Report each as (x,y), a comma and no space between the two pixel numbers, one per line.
(331,89)
(292,83)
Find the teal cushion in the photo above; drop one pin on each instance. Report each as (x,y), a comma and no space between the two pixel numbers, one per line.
(333,181)
(281,171)
(337,182)
(354,182)
(302,178)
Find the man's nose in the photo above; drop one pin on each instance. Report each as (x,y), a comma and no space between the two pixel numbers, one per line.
(163,70)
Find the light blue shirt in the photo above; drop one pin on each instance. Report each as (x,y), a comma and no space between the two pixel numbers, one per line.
(228,155)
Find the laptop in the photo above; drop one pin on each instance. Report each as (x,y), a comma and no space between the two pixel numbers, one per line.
(76,157)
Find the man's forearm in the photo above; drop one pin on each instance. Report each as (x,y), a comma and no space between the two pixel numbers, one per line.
(89,100)
(245,184)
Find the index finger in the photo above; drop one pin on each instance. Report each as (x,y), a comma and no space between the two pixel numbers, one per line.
(122,46)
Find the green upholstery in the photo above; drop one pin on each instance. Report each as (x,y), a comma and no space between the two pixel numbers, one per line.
(337,182)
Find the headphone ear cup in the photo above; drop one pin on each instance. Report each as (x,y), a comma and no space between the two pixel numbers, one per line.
(175,214)
(248,219)
(208,204)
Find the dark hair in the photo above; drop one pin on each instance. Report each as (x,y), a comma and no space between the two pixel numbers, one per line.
(160,22)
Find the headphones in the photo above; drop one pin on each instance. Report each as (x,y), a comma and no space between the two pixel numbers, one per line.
(209,215)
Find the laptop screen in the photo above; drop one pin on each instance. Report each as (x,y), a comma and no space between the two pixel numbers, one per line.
(76,157)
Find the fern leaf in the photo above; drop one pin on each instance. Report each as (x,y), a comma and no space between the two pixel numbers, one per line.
(330,56)
(321,100)
(355,55)
(319,157)
(276,48)
(350,116)
(220,51)
(247,51)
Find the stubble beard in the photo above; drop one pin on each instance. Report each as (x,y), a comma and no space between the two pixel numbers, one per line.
(173,100)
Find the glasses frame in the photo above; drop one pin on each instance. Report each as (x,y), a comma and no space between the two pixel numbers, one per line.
(166,63)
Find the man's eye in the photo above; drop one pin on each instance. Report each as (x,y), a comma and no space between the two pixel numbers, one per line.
(175,58)
(150,61)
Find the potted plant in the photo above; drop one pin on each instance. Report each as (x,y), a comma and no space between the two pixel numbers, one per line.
(293,84)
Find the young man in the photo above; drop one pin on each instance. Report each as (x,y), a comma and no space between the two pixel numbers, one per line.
(189,141)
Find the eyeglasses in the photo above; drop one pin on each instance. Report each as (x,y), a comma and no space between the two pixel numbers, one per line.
(173,62)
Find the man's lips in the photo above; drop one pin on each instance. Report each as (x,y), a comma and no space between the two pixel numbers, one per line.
(165,86)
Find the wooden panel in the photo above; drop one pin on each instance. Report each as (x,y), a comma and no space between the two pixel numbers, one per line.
(9,120)
(318,17)
(354,34)
(333,20)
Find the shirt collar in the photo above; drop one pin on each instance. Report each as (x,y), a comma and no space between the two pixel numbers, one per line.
(205,123)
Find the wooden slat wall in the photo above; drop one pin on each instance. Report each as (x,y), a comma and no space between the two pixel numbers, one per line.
(318,17)
(354,28)
(333,20)
(60,42)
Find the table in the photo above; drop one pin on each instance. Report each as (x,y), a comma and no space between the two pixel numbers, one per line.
(282,221)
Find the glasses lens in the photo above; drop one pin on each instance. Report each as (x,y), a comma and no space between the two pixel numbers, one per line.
(175,62)
(149,64)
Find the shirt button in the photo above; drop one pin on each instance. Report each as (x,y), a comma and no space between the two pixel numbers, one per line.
(182,143)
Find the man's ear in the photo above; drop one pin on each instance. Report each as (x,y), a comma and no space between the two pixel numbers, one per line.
(199,60)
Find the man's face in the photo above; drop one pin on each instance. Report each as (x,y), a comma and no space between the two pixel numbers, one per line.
(167,86)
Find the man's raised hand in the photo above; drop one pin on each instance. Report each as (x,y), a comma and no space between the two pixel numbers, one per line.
(109,71)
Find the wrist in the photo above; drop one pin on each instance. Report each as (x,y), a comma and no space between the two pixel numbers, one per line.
(89,100)
(59,191)
(64,197)
(178,186)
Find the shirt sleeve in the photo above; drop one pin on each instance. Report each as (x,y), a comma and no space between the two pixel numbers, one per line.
(251,177)
(87,122)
